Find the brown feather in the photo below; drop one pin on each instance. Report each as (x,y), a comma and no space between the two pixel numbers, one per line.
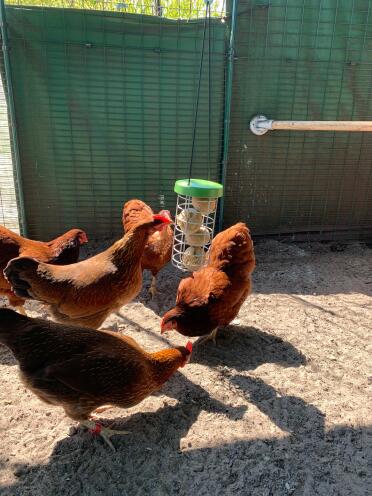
(62,250)
(81,369)
(213,295)
(85,293)
(158,249)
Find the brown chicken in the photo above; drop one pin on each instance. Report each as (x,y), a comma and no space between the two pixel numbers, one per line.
(85,293)
(61,251)
(158,249)
(213,295)
(83,369)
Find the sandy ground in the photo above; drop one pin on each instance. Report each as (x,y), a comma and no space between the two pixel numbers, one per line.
(279,407)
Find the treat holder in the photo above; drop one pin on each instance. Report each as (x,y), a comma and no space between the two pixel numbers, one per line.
(197,201)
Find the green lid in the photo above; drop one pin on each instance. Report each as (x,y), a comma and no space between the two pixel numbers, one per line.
(199,188)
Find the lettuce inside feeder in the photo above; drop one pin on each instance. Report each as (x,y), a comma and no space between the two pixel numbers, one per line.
(196,212)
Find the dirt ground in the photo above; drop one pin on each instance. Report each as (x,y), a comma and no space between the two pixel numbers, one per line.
(278,407)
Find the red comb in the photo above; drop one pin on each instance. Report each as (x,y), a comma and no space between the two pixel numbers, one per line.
(162,218)
(189,346)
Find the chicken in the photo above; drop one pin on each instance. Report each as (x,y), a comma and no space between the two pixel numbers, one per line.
(85,293)
(61,251)
(158,249)
(213,295)
(83,369)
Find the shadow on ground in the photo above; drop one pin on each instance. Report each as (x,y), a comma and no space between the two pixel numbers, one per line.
(246,348)
(308,460)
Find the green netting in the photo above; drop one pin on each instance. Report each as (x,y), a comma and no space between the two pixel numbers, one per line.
(302,60)
(104,109)
(105,104)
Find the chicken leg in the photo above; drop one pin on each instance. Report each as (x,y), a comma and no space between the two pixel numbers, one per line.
(152,289)
(21,310)
(103,408)
(211,337)
(105,432)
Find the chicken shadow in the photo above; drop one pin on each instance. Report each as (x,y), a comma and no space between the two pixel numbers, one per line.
(159,433)
(307,460)
(246,348)
(290,413)
(188,393)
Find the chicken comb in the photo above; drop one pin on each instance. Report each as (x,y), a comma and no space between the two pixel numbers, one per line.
(189,346)
(162,218)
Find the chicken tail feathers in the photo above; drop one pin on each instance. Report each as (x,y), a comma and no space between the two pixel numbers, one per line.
(16,271)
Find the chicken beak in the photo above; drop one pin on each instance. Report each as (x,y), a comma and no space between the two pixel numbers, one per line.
(163,226)
(83,239)
(167,326)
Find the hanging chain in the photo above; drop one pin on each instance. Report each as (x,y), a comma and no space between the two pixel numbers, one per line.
(207,16)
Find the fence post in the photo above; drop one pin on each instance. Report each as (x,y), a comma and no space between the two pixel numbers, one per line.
(12,121)
(227,109)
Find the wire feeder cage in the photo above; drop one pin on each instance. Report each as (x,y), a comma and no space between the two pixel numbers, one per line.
(197,201)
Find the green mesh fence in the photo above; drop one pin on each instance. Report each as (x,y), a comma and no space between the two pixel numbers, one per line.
(105,103)
(105,108)
(302,60)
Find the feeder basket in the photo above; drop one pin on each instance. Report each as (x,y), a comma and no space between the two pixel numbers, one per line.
(197,201)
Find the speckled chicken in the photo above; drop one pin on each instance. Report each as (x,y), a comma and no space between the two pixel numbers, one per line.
(158,249)
(84,369)
(87,292)
(212,296)
(63,250)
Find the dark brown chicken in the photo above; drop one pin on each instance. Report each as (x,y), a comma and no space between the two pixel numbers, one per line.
(83,369)
(158,249)
(213,295)
(85,293)
(61,251)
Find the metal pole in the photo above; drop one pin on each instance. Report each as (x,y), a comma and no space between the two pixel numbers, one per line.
(12,121)
(228,95)
(260,125)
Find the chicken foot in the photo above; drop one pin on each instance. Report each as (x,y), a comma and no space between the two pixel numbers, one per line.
(105,432)
(152,289)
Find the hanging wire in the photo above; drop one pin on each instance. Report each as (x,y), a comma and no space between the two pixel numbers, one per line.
(207,14)
(209,90)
